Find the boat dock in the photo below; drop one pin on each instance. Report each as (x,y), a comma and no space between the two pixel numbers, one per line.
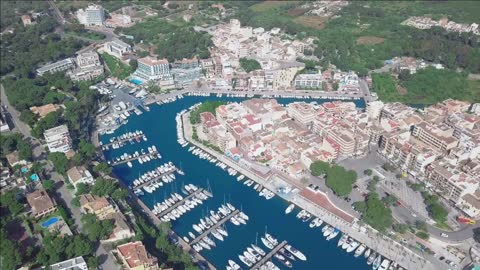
(174,169)
(268,256)
(218,224)
(114,163)
(121,141)
(180,202)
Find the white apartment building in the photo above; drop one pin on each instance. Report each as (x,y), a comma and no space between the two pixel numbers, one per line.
(117,48)
(88,59)
(89,67)
(56,67)
(92,15)
(150,68)
(77,263)
(374,109)
(308,81)
(58,139)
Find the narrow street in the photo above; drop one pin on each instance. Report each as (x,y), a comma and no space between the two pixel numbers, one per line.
(107,261)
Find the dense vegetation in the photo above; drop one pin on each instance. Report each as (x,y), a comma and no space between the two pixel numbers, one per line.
(427,86)
(338,44)
(79,30)
(171,40)
(337,177)
(249,64)
(435,209)
(15,142)
(31,50)
(207,106)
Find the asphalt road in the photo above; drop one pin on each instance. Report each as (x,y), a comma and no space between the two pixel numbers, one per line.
(107,261)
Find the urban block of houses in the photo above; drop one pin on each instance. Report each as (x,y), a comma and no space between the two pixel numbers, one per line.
(41,203)
(79,174)
(134,256)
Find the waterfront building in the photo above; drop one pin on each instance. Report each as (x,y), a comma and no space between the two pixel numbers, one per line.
(40,203)
(92,15)
(77,263)
(58,139)
(134,256)
(79,174)
(58,66)
(150,68)
(308,81)
(117,48)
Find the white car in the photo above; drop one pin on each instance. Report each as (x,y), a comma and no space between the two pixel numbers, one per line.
(444,235)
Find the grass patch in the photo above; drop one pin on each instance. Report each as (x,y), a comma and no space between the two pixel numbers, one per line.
(369,40)
(116,67)
(267,5)
(315,22)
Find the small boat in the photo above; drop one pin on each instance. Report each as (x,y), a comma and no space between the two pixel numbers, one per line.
(352,246)
(267,243)
(333,234)
(289,209)
(129,164)
(342,240)
(367,253)
(233,265)
(371,258)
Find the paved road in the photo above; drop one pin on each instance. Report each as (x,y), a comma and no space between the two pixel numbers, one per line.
(107,261)
(58,15)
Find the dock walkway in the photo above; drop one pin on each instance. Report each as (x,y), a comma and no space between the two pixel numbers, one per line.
(268,256)
(115,163)
(174,169)
(216,225)
(168,210)
(121,141)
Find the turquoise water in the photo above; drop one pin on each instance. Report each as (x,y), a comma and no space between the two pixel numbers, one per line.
(34,177)
(49,222)
(160,127)
(136,81)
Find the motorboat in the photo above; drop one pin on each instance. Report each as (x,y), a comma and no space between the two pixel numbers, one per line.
(376,262)
(267,243)
(384,265)
(295,252)
(371,258)
(360,250)
(352,246)
(342,240)
(289,209)
(333,234)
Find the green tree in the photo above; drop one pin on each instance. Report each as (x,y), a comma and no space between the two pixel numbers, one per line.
(423,235)
(377,214)
(367,172)
(104,187)
(96,229)
(28,117)
(249,64)
(400,227)
(102,168)
(9,200)
(476,235)
(48,185)
(318,168)
(82,188)
(120,194)
(9,252)
(60,161)
(76,202)
(389,200)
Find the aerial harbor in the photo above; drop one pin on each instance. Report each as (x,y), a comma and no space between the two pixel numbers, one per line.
(262,135)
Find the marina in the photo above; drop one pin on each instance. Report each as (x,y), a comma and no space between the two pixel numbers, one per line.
(269,255)
(181,202)
(119,141)
(214,227)
(225,181)
(140,157)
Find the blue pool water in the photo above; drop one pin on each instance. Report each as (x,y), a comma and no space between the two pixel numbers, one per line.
(160,127)
(34,177)
(49,222)
(136,81)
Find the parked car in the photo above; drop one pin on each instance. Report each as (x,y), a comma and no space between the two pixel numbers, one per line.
(444,235)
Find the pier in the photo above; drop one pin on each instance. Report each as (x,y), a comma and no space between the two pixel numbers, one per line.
(114,163)
(168,210)
(122,141)
(268,256)
(215,226)
(174,169)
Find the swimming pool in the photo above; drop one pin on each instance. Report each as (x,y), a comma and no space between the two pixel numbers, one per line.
(136,81)
(49,222)
(34,177)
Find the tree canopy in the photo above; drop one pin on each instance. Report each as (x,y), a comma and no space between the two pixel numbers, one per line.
(376,213)
(338,178)
(249,64)
(96,229)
